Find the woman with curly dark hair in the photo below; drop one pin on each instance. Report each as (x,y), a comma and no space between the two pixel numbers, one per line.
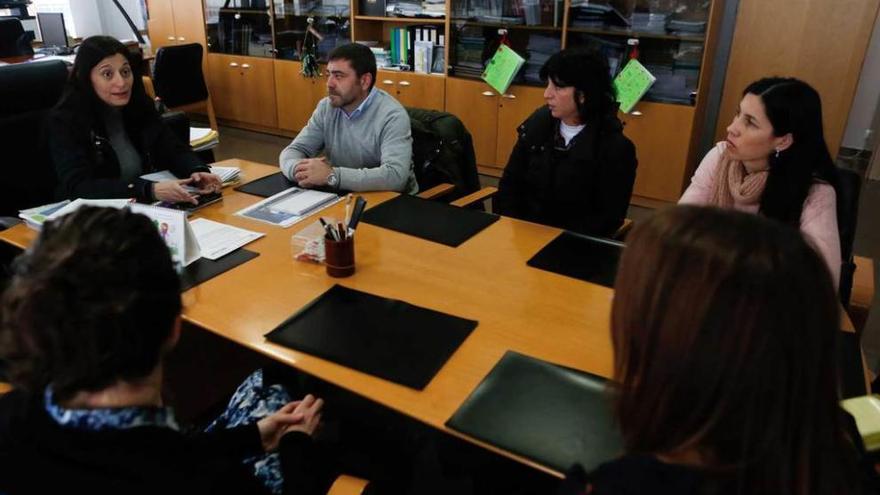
(92,309)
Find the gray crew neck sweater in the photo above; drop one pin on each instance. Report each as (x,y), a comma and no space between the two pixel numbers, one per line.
(130,162)
(370,152)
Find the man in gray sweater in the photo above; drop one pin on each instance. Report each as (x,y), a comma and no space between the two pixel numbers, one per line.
(363,131)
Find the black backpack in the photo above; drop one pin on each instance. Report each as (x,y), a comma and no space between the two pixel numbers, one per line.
(443,152)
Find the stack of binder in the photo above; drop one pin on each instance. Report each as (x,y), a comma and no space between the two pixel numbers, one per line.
(201,139)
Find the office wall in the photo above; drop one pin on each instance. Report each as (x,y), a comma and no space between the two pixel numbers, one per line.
(114,23)
(867,99)
(102,17)
(820,41)
(86,17)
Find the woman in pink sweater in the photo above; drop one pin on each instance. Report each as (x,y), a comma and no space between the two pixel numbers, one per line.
(775,162)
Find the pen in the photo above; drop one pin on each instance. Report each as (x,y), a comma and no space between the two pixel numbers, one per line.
(359,206)
(348,208)
(341,231)
(328,229)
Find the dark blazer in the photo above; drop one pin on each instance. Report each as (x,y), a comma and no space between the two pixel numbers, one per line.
(39,456)
(585,188)
(87,166)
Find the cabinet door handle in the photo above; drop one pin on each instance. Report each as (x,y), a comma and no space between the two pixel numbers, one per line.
(404,83)
(509,96)
(487,93)
(233,64)
(387,81)
(181,38)
(245,66)
(171,38)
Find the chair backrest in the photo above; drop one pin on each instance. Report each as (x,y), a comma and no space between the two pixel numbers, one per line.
(443,151)
(848,189)
(27,93)
(177,75)
(14,41)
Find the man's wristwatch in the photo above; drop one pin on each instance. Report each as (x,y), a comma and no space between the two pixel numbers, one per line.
(333,179)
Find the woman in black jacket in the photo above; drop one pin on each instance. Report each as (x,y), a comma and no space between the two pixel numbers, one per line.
(85,325)
(105,133)
(572,167)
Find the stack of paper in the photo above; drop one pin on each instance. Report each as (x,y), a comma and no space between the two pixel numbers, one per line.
(866,411)
(202,139)
(228,175)
(37,216)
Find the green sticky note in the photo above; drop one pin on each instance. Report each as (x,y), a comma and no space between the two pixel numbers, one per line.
(500,71)
(631,84)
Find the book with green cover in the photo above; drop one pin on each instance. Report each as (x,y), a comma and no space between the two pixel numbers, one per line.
(502,68)
(631,84)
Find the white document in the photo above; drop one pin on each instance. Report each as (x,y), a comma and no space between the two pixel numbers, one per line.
(218,239)
(175,231)
(289,206)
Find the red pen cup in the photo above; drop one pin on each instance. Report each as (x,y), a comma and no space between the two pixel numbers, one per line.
(339,256)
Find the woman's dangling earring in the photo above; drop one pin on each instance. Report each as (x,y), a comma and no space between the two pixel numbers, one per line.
(777,152)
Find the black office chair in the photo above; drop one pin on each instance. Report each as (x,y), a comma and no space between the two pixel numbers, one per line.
(849,187)
(179,82)
(14,41)
(27,93)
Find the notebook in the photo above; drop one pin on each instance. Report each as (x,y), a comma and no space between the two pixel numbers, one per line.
(553,415)
(429,220)
(591,259)
(387,338)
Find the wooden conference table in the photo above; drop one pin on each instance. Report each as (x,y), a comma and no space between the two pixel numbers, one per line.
(541,314)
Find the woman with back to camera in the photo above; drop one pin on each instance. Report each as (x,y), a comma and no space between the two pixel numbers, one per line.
(105,133)
(91,312)
(775,162)
(571,167)
(724,328)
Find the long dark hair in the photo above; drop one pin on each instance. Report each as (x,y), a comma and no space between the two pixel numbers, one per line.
(586,70)
(793,106)
(724,331)
(79,95)
(91,302)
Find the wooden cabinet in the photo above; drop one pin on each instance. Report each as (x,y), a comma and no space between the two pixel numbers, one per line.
(296,95)
(414,90)
(661,133)
(476,104)
(176,22)
(244,89)
(492,119)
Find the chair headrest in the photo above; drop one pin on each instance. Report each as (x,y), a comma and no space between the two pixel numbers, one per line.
(31,86)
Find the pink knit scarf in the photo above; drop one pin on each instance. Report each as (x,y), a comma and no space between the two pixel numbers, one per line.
(735,186)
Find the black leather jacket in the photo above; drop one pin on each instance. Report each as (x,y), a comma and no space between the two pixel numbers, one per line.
(87,166)
(584,187)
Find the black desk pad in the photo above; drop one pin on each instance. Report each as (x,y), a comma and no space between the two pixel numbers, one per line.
(203,269)
(552,415)
(391,339)
(430,220)
(579,256)
(269,185)
(852,373)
